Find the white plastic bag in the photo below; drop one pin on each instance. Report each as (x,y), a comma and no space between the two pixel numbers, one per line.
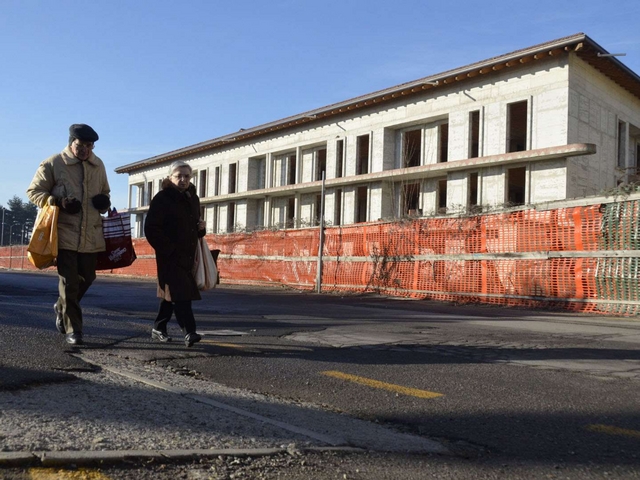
(205,271)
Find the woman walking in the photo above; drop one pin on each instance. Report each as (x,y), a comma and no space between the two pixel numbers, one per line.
(172,228)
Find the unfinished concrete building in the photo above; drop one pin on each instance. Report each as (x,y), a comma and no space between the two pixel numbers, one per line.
(551,122)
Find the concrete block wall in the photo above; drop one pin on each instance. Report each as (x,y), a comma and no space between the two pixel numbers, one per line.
(548,181)
(349,205)
(430,145)
(494,139)
(596,105)
(306,166)
(429,196)
(307,207)
(457,186)
(376,201)
(256,173)
(332,146)
(279,210)
(458,135)
(493,187)
(390,149)
(330,206)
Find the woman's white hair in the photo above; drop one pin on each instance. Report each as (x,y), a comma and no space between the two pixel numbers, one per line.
(179,164)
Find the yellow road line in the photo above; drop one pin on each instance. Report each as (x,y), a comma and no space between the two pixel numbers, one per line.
(228,345)
(611,430)
(413,392)
(257,347)
(59,474)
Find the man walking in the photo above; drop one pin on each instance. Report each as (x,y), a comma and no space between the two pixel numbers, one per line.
(76,181)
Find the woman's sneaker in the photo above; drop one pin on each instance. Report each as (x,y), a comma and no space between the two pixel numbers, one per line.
(191,338)
(160,336)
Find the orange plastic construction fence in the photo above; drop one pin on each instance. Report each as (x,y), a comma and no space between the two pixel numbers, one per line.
(565,258)
(581,259)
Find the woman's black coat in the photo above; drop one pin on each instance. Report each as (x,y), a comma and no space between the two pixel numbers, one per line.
(171,228)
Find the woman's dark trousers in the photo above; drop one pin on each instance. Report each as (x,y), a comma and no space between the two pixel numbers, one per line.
(184,316)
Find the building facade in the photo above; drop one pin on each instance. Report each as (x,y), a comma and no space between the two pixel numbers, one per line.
(551,122)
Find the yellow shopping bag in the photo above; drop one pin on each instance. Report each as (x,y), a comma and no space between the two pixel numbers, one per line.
(43,246)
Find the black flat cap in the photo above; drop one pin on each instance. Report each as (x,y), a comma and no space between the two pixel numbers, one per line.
(83,132)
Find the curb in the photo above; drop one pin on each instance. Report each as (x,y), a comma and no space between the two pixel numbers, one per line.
(87,457)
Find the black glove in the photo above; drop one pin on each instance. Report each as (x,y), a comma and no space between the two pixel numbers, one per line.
(69,204)
(101,202)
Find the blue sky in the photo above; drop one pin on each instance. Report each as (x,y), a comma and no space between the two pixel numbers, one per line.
(152,76)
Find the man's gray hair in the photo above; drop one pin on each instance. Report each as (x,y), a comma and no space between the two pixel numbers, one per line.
(178,164)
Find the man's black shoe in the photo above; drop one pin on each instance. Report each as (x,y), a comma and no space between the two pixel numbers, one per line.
(74,339)
(191,338)
(160,336)
(59,319)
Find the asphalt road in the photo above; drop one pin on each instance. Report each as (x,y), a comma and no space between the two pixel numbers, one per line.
(508,393)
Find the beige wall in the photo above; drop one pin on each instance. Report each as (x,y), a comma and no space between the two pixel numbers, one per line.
(596,105)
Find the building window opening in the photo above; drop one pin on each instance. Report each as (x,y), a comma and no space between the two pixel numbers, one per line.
(216,181)
(443,142)
(339,158)
(474,134)
(139,225)
(321,163)
(411,148)
(202,184)
(291,170)
(137,192)
(231,217)
(622,137)
(262,173)
(362,155)
(194,179)
(256,178)
(442,196)
(517,127)
(214,220)
(317,210)
(472,203)
(233,169)
(410,199)
(149,193)
(291,212)
(259,216)
(337,214)
(361,205)
(516,181)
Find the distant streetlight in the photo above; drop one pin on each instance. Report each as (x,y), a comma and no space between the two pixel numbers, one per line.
(11,232)
(23,238)
(2,234)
